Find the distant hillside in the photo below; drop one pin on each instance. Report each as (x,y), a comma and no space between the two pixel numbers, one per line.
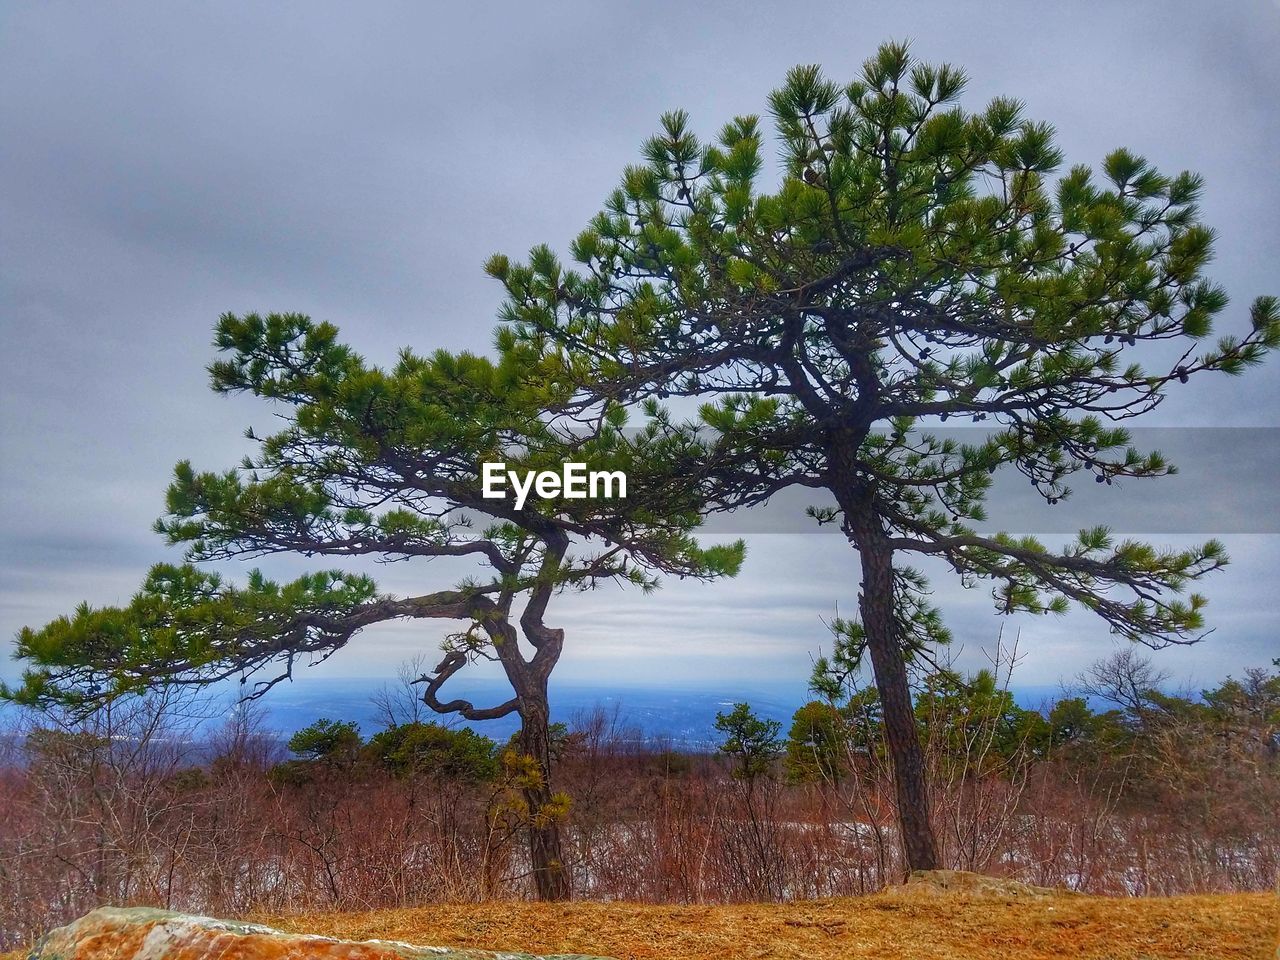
(682,716)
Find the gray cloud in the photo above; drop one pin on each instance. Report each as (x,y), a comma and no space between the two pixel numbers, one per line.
(164,163)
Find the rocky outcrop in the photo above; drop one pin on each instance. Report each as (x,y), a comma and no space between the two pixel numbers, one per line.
(926,882)
(139,933)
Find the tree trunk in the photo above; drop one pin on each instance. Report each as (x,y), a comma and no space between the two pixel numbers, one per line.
(551,879)
(901,734)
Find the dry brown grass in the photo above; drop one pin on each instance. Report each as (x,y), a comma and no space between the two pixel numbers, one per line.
(945,926)
(904,924)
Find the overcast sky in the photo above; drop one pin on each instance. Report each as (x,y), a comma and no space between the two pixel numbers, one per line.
(161,164)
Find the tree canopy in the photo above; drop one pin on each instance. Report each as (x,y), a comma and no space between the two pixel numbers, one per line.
(381,463)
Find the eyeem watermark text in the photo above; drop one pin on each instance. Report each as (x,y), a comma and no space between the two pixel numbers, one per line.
(574,482)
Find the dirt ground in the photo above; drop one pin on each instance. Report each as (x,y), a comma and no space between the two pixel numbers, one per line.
(906,924)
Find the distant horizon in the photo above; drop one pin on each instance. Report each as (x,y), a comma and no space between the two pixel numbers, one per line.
(289,707)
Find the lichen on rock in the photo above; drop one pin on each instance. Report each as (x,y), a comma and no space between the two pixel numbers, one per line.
(142,933)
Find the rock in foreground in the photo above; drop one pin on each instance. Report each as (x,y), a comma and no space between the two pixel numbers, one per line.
(140,933)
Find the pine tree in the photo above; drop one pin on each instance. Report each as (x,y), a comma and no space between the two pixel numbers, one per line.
(918,264)
(753,743)
(384,464)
